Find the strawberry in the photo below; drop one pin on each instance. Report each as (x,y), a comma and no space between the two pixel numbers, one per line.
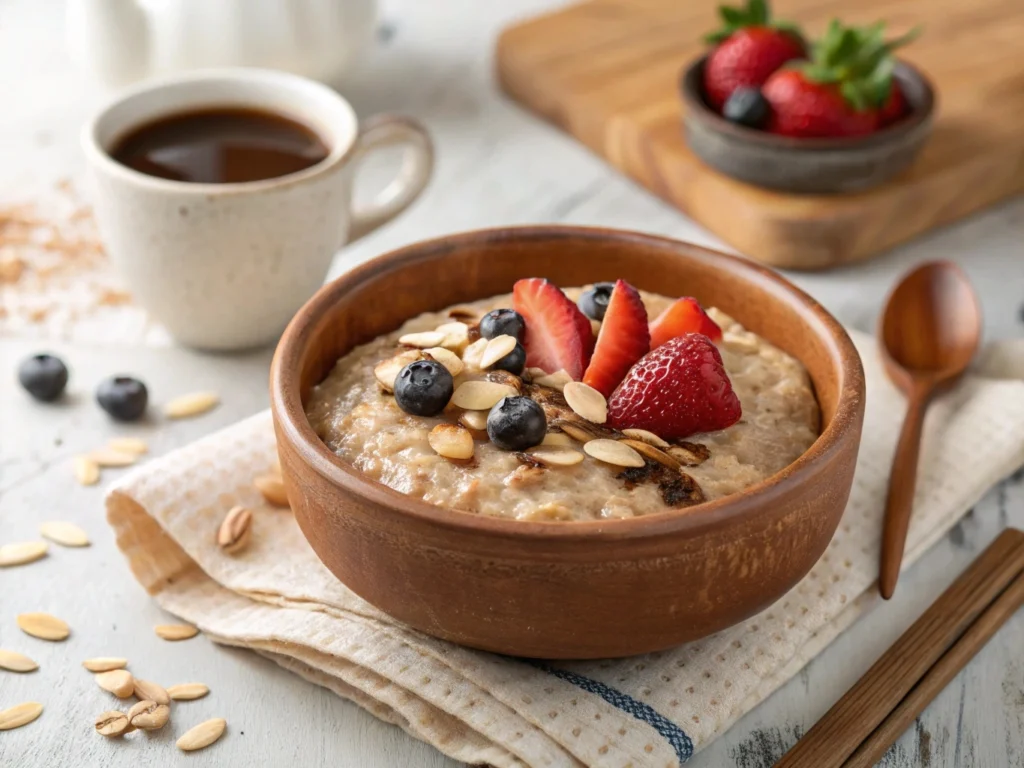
(557,334)
(895,105)
(676,390)
(805,108)
(748,49)
(685,315)
(622,340)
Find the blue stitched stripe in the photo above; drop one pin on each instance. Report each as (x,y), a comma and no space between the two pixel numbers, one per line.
(671,732)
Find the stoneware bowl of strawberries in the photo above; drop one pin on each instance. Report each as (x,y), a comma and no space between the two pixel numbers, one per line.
(591,589)
(771,107)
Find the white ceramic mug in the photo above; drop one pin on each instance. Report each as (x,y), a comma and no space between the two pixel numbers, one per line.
(225,266)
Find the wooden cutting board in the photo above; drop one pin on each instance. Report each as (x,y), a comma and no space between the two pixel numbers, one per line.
(606,71)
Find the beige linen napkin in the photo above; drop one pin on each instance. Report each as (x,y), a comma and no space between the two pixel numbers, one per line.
(653,710)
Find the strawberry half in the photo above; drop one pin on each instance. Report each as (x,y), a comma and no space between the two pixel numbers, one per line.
(558,336)
(676,390)
(685,315)
(623,339)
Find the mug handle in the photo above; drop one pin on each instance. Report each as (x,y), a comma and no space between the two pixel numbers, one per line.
(417,165)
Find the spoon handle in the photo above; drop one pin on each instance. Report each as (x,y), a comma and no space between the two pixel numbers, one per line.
(900,503)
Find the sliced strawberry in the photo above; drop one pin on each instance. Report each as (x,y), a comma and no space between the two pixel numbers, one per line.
(676,390)
(685,315)
(558,336)
(623,339)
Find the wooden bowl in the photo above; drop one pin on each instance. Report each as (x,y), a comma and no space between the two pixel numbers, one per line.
(549,589)
(808,165)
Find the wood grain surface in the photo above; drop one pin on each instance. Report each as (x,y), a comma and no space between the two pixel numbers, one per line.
(607,72)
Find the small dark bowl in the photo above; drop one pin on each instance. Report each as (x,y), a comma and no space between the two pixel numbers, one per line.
(808,165)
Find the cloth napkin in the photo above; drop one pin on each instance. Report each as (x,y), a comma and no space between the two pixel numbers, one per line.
(655,710)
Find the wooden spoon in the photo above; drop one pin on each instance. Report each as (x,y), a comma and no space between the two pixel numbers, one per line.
(930,330)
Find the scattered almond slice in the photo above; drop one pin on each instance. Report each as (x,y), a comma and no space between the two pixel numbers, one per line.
(175,631)
(87,471)
(43,625)
(586,401)
(557,457)
(533,373)
(134,445)
(647,437)
(481,395)
(556,380)
(387,371)
(451,441)
(13,661)
(422,340)
(474,420)
(108,457)
(496,349)
(595,326)
(148,691)
(202,735)
(456,336)
(65,534)
(113,724)
(20,715)
(149,715)
(105,663)
(187,691)
(689,454)
(117,681)
(557,439)
(22,552)
(613,452)
(192,404)
(654,454)
(471,355)
(271,487)
(447,358)
(234,532)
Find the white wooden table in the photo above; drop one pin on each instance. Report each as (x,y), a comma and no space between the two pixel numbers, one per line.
(497,165)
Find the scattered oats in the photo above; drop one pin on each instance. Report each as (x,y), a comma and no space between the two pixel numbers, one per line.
(451,441)
(556,380)
(586,401)
(22,552)
(557,457)
(66,534)
(134,445)
(471,355)
(107,457)
(496,349)
(187,691)
(387,371)
(481,395)
(117,681)
(271,487)
(147,691)
(16,662)
(647,437)
(11,268)
(475,420)
(423,340)
(654,454)
(87,471)
(149,715)
(105,663)
(559,439)
(192,404)
(43,625)
(175,631)
(447,358)
(202,735)
(234,532)
(22,714)
(113,724)
(613,452)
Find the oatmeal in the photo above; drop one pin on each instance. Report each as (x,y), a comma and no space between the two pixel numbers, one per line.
(576,468)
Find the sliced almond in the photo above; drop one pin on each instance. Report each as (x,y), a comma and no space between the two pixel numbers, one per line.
(580,431)
(387,371)
(557,439)
(87,471)
(557,457)
(134,445)
(192,404)
(108,457)
(613,452)
(272,489)
(148,715)
(16,662)
(456,336)
(474,420)
(451,441)
(175,631)
(595,326)
(556,380)
(423,340)
(117,681)
(20,715)
(463,314)
(533,373)
(496,349)
(66,534)
(113,724)
(447,358)
(690,454)
(654,454)
(586,401)
(145,690)
(187,691)
(234,532)
(22,552)
(105,663)
(481,395)
(647,437)
(504,377)
(43,625)
(471,355)
(202,735)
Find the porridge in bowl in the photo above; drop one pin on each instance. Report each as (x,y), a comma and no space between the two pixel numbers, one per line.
(584,404)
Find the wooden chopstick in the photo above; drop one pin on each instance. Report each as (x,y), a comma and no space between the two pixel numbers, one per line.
(879,693)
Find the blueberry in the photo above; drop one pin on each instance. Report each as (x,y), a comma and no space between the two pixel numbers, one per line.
(43,376)
(516,423)
(594,302)
(423,388)
(513,362)
(502,322)
(746,106)
(123,397)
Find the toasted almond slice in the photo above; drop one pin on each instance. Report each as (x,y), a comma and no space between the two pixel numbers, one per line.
(192,404)
(87,471)
(447,358)
(556,380)
(234,532)
(43,625)
(481,395)
(557,457)
(149,715)
(202,735)
(474,420)
(387,371)
(148,691)
(557,439)
(134,445)
(496,349)
(187,691)
(613,452)
(20,715)
(595,326)
(16,662)
(456,336)
(464,313)
(690,454)
(423,340)
(117,681)
(272,489)
(108,457)
(654,454)
(22,552)
(586,401)
(113,724)
(66,534)
(647,437)
(451,441)
(471,355)
(175,631)
(105,663)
